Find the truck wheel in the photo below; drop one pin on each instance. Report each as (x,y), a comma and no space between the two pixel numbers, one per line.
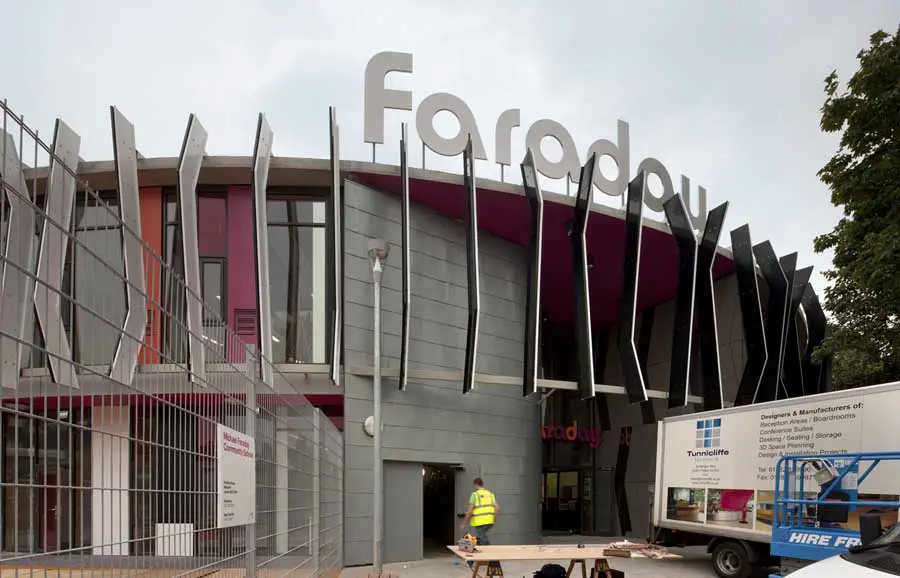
(730,560)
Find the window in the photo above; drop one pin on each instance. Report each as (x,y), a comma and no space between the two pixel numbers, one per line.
(99,280)
(212,283)
(212,241)
(174,313)
(297,279)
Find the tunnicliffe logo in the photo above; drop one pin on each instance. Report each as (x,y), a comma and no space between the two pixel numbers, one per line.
(709,439)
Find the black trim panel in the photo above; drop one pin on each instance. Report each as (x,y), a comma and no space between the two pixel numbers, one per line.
(619,480)
(533,298)
(751,315)
(474,284)
(789,266)
(815,377)
(645,339)
(792,373)
(707,326)
(405,268)
(683,325)
(635,386)
(600,338)
(583,338)
(774,322)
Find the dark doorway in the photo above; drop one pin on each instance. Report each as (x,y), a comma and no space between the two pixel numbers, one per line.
(563,509)
(439,511)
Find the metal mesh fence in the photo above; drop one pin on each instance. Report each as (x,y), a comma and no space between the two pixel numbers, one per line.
(119,457)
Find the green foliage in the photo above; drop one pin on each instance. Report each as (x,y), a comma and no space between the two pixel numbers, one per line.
(864,178)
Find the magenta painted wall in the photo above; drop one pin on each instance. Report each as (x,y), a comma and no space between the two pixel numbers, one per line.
(241,258)
(212,228)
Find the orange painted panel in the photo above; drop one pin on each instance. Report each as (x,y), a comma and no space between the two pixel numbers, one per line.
(152,232)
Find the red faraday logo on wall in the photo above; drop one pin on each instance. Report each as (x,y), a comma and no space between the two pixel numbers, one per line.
(573,433)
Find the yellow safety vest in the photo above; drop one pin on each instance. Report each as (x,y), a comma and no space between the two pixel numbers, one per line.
(485,506)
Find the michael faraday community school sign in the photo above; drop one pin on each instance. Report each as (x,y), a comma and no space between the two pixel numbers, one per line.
(378,98)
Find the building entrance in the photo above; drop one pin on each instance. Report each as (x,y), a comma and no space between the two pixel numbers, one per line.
(565,501)
(44,505)
(439,515)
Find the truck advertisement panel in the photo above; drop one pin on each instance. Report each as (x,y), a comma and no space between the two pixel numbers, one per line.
(717,469)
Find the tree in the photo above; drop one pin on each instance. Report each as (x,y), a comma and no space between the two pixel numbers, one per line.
(864,178)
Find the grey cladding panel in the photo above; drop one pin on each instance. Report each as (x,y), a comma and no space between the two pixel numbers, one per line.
(192,152)
(493,431)
(54,245)
(337,229)
(125,153)
(15,286)
(262,157)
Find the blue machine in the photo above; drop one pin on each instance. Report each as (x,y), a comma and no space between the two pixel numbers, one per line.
(809,528)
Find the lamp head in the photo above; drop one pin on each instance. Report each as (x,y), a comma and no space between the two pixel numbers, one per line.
(378,249)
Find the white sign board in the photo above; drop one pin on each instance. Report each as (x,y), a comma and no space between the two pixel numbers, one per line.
(235,478)
(718,468)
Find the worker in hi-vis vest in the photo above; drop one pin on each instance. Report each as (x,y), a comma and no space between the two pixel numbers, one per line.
(482,512)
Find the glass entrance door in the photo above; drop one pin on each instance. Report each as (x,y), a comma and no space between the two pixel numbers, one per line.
(38,502)
(562,505)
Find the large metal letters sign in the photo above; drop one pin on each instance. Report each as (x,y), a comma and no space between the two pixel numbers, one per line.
(474,285)
(533,298)
(584,348)
(378,98)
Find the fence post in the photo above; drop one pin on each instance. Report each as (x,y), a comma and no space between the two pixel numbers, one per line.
(250,529)
(317,458)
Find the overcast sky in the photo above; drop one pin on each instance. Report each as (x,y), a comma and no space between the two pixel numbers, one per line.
(727,93)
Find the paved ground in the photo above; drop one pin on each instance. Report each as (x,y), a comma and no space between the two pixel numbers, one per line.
(693,564)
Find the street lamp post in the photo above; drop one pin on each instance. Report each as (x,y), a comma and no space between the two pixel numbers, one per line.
(378,253)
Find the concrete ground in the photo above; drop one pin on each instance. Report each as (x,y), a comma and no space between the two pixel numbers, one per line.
(447,567)
(694,563)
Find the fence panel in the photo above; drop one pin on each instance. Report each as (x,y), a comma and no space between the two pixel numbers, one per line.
(119,457)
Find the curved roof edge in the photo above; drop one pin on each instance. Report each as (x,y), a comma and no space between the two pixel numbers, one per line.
(227,170)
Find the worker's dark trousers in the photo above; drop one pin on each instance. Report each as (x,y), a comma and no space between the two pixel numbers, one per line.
(481,534)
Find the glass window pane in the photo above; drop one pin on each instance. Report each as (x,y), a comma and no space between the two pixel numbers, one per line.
(211,274)
(295,211)
(171,208)
(297,259)
(99,286)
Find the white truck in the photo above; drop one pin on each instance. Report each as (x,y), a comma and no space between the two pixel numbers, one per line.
(716,482)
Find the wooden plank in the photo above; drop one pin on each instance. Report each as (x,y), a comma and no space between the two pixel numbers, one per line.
(539,553)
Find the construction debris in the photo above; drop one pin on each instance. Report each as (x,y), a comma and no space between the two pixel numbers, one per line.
(626,549)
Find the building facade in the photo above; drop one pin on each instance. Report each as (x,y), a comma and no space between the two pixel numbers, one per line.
(251,284)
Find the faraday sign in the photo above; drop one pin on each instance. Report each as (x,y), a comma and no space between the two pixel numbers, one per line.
(378,98)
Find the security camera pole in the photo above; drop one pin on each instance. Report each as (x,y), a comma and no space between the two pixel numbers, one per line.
(378,254)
